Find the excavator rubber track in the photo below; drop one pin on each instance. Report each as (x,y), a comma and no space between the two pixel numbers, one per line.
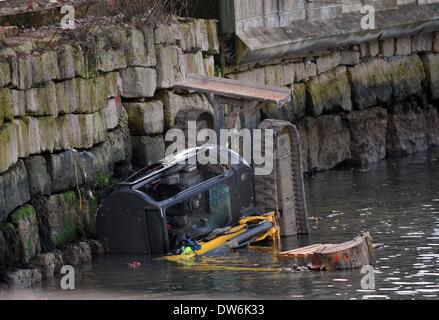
(283,190)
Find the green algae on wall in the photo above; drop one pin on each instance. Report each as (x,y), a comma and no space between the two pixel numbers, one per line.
(6,113)
(25,222)
(63,218)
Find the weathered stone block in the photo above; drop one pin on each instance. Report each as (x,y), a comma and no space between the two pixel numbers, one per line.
(387,47)
(116,149)
(145,118)
(23,148)
(77,254)
(148,150)
(432,119)
(370,83)
(15,188)
(44,68)
(63,170)
(87,130)
(110,49)
(170,66)
(329,92)
(369,49)
(39,179)
(120,146)
(403,46)
(328,62)
(42,101)
(289,73)
(188,41)
(406,133)
(23,279)
(5,74)
(139,82)
(4,250)
(8,146)
(148,34)
(68,133)
(368,130)
(99,127)
(194,63)
(432,73)
(274,75)
(84,64)
(212,36)
(349,58)
(272,111)
(173,103)
(21,70)
(42,134)
(45,263)
(66,62)
(201,35)
(87,169)
(407,75)
(298,100)
(3,215)
(256,76)
(92,94)
(167,34)
(103,159)
(62,215)
(6,106)
(67,96)
(111,60)
(422,42)
(111,114)
(136,50)
(377,81)
(209,66)
(328,142)
(114,82)
(436,42)
(26,223)
(305,70)
(18,103)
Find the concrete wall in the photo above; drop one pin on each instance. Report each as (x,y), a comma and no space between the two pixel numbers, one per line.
(360,104)
(274,13)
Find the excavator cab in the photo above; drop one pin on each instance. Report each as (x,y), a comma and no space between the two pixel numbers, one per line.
(174,201)
(180,204)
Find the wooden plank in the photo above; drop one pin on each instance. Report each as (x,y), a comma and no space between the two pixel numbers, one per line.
(301,249)
(235,89)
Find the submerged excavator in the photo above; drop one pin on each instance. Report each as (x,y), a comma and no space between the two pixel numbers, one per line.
(180,207)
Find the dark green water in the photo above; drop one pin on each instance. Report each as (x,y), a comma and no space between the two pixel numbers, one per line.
(396,200)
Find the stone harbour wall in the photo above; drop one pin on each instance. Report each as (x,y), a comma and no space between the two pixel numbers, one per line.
(74,116)
(358,105)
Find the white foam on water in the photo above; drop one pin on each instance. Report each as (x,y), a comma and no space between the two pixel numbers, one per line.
(376,296)
(427,290)
(406,293)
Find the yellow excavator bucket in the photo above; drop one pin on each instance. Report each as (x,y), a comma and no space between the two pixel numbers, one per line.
(243,227)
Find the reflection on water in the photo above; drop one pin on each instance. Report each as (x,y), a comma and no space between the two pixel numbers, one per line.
(396,200)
